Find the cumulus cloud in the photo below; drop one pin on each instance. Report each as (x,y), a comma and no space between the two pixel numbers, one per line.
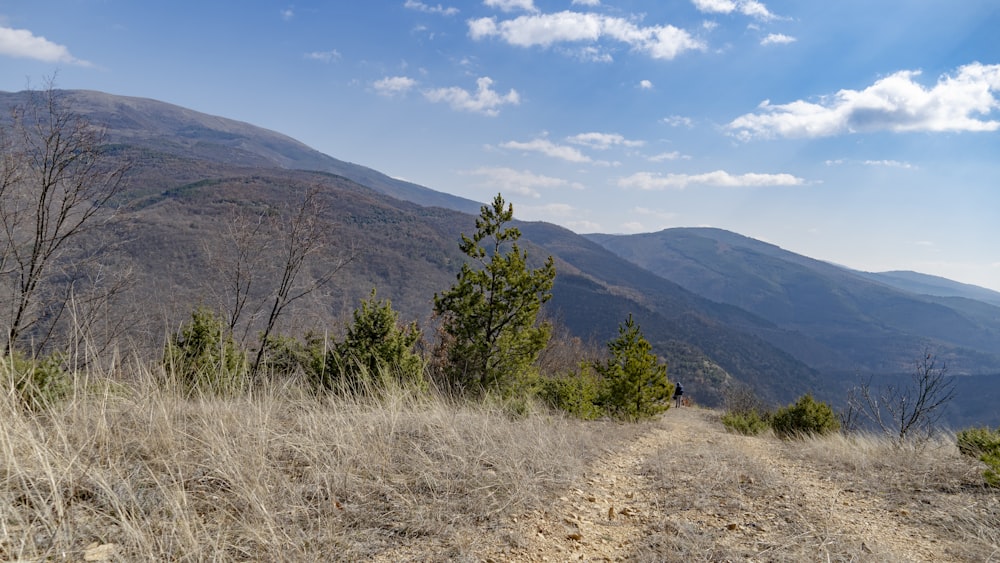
(324,56)
(649,181)
(751,8)
(603,141)
(394,85)
(645,85)
(591,3)
(897,103)
(512,5)
(22,43)
(548,148)
(438,9)
(544,30)
(485,100)
(777,39)
(521,182)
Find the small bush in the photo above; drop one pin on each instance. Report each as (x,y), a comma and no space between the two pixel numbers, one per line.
(377,350)
(203,357)
(748,423)
(577,393)
(984,444)
(805,417)
(36,382)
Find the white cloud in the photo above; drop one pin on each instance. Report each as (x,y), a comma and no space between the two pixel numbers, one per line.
(897,103)
(889,163)
(586,2)
(777,39)
(544,30)
(394,85)
(664,156)
(679,121)
(486,100)
(511,5)
(22,43)
(751,8)
(521,182)
(649,181)
(287,14)
(548,148)
(438,9)
(603,141)
(324,56)
(645,85)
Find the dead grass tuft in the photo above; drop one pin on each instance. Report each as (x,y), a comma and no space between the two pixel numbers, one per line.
(275,476)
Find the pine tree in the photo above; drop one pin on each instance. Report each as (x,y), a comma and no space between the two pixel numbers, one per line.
(489,317)
(635,381)
(376,345)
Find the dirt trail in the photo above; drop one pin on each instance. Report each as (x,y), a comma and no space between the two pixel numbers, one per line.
(689,491)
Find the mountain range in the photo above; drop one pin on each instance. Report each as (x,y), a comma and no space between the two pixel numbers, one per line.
(719,307)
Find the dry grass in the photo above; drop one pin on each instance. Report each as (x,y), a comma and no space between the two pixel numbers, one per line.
(275,476)
(724,497)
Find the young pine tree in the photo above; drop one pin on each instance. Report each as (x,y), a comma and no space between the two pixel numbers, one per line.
(636,383)
(376,345)
(490,333)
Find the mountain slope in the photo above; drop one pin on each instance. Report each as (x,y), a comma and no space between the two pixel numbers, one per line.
(173,130)
(852,321)
(936,286)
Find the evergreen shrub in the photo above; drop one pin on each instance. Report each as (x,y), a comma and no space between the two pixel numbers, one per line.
(984,444)
(749,423)
(805,417)
(36,382)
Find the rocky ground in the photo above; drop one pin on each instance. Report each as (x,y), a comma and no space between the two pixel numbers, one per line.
(689,491)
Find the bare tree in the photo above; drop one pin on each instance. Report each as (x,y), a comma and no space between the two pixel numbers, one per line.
(907,411)
(56,184)
(242,267)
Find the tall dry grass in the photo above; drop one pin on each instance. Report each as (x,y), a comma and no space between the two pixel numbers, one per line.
(274,475)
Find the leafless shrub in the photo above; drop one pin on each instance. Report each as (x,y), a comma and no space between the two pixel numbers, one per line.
(911,410)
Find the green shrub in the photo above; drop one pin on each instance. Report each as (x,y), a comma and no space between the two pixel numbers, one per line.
(749,423)
(984,444)
(36,382)
(376,351)
(204,358)
(578,393)
(974,442)
(805,417)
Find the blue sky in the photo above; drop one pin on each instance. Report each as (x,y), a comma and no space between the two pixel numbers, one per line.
(863,133)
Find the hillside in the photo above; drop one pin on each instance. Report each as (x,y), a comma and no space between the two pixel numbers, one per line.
(844,320)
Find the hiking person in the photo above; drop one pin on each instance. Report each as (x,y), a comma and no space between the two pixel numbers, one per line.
(678,393)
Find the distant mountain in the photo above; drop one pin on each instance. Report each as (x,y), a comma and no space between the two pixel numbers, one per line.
(923,284)
(176,131)
(832,318)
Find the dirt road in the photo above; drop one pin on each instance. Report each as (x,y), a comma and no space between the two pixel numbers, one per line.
(689,491)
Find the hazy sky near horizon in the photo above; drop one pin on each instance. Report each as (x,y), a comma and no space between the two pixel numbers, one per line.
(862,133)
